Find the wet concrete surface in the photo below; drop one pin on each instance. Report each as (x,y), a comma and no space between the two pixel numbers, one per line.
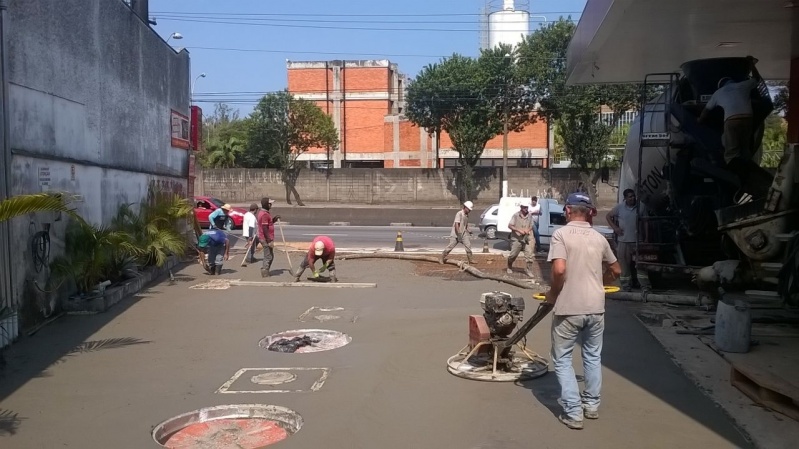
(168,350)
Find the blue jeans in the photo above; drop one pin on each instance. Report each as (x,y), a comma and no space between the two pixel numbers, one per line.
(537,236)
(566,331)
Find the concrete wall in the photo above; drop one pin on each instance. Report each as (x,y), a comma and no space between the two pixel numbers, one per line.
(390,186)
(91,89)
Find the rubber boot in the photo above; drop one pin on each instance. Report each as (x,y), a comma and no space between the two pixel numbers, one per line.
(265,273)
(529,270)
(333,276)
(469,259)
(510,266)
(300,271)
(218,270)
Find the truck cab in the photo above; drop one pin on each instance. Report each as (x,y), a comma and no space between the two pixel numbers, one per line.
(552,217)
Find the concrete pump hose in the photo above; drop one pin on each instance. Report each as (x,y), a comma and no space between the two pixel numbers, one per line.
(462,266)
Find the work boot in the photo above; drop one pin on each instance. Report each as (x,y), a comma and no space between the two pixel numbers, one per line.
(218,270)
(333,277)
(442,258)
(469,259)
(265,273)
(529,270)
(510,267)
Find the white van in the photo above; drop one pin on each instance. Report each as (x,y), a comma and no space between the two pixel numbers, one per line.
(552,218)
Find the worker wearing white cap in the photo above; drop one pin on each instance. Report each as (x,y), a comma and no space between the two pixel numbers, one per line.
(521,225)
(460,232)
(323,248)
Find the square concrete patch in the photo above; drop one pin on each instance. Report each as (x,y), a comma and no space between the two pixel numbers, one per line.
(275,380)
(324,314)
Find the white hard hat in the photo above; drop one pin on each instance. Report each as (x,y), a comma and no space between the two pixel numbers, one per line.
(319,248)
(469,205)
(525,203)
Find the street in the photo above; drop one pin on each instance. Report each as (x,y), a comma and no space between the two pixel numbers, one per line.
(374,237)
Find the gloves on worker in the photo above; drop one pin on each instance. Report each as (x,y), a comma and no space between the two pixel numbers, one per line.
(271,244)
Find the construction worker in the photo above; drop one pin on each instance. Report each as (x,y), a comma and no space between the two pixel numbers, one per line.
(736,101)
(266,234)
(535,211)
(522,227)
(322,247)
(217,245)
(582,262)
(623,219)
(249,232)
(460,232)
(219,218)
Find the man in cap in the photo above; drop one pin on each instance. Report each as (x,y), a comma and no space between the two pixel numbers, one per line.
(216,244)
(266,234)
(218,218)
(460,232)
(522,227)
(249,233)
(322,248)
(623,219)
(582,262)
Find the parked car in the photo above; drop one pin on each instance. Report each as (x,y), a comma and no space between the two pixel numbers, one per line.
(205,205)
(552,217)
(488,222)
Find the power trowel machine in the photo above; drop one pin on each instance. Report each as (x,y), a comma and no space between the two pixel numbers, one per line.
(491,353)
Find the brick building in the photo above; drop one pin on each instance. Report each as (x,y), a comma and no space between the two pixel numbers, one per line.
(366,100)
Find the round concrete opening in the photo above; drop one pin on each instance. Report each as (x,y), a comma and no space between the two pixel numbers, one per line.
(273,378)
(303,341)
(241,426)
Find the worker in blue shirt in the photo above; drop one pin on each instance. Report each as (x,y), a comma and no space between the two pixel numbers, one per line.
(218,218)
(216,243)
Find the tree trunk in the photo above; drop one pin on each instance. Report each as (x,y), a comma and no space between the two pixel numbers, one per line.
(290,177)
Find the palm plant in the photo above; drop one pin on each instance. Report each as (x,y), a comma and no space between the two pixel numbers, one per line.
(93,254)
(156,229)
(223,154)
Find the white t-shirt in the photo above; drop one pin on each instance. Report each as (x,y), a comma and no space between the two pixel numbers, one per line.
(734,98)
(249,222)
(536,211)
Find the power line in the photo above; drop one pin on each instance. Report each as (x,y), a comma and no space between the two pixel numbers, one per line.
(306,14)
(324,27)
(333,53)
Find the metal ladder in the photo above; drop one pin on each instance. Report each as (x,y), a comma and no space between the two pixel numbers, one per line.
(652,140)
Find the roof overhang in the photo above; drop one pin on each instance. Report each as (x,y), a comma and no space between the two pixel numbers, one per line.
(619,41)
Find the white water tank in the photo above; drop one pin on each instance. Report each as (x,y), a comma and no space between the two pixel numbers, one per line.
(508,26)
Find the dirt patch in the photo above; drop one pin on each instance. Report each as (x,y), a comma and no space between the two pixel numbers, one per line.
(493,264)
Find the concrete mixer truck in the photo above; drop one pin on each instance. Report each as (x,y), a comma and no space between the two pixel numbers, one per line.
(722,222)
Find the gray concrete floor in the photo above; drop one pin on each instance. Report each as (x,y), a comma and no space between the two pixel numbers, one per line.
(388,388)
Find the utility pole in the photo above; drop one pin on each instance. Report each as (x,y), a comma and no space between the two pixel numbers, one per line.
(505,150)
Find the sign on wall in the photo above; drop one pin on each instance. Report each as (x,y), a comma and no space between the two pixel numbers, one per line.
(180,130)
(44,178)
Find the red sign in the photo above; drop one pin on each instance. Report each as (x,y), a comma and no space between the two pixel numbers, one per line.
(196,128)
(180,130)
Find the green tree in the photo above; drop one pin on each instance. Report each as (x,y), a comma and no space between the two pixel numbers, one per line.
(281,129)
(574,109)
(470,99)
(224,153)
(775,138)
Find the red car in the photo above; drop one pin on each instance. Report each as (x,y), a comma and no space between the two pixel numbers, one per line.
(205,205)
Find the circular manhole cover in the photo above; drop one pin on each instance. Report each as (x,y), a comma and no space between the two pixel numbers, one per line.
(303,341)
(242,426)
(276,378)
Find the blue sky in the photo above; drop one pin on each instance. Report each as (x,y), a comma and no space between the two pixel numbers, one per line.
(294,30)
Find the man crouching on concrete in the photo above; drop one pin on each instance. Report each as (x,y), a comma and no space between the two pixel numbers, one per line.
(323,248)
(579,255)
(216,243)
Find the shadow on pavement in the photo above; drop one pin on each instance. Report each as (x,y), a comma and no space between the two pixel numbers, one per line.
(631,352)
(9,422)
(29,358)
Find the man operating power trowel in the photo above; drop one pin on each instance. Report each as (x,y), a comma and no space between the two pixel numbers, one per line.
(322,248)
